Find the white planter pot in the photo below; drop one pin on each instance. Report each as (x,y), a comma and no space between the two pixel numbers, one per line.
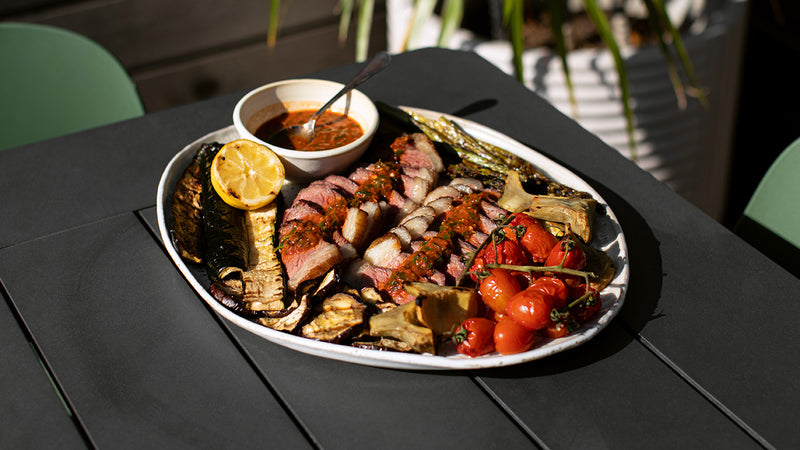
(689,149)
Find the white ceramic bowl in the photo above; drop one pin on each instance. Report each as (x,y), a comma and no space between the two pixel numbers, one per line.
(271,100)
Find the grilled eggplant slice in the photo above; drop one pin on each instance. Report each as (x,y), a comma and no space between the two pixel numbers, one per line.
(382,344)
(187,229)
(341,314)
(288,319)
(227,247)
(264,283)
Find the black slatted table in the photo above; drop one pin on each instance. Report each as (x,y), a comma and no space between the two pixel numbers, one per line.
(105,344)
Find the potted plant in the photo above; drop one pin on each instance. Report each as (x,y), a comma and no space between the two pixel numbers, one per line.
(667,102)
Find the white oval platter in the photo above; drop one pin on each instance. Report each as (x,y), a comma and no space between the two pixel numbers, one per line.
(608,237)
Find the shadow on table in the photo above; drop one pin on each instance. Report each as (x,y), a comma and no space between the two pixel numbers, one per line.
(475,107)
(644,258)
(770,244)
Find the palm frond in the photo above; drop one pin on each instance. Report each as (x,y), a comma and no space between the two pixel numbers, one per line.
(514,18)
(274,20)
(657,26)
(452,14)
(683,55)
(556,9)
(345,16)
(423,10)
(364,28)
(604,29)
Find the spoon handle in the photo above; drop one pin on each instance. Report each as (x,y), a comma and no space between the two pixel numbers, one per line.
(375,65)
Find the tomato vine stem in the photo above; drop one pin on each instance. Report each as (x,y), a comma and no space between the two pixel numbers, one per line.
(555,269)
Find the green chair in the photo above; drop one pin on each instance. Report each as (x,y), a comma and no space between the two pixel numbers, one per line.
(54,82)
(771,220)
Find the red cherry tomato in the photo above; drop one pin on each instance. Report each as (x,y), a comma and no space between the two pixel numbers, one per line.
(555,287)
(569,251)
(579,290)
(537,241)
(511,337)
(555,330)
(588,309)
(530,308)
(504,252)
(498,288)
(475,337)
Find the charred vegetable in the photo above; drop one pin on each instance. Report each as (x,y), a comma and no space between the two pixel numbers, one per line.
(441,307)
(187,232)
(226,252)
(578,213)
(288,319)
(401,323)
(515,198)
(481,160)
(600,265)
(310,292)
(264,283)
(340,315)
(382,344)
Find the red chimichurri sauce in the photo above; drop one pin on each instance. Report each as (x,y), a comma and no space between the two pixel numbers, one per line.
(331,131)
(461,221)
(305,234)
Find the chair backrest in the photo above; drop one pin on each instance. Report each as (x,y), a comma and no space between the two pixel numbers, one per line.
(54,82)
(775,204)
(771,220)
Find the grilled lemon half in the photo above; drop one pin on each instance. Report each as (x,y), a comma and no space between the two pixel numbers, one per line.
(246,174)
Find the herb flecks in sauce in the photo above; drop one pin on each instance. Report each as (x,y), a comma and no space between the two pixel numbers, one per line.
(460,222)
(332,130)
(305,234)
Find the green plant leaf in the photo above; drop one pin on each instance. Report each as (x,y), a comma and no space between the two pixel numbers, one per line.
(604,29)
(556,9)
(274,19)
(655,21)
(683,55)
(514,18)
(423,10)
(364,28)
(452,14)
(345,16)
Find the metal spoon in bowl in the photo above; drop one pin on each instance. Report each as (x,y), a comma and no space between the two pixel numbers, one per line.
(306,131)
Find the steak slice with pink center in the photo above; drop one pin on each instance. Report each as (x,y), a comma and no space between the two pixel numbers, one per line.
(310,263)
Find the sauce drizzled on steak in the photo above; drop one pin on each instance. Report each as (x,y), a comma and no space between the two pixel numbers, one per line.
(459,222)
(310,235)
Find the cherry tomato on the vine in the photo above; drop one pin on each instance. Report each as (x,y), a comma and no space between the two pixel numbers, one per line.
(504,252)
(555,287)
(530,308)
(555,330)
(569,251)
(536,241)
(475,337)
(586,310)
(497,288)
(511,337)
(579,289)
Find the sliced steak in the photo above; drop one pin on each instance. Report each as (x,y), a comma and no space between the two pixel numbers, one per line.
(310,263)
(320,193)
(345,184)
(303,210)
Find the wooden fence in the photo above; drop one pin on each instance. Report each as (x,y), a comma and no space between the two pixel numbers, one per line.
(180,51)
